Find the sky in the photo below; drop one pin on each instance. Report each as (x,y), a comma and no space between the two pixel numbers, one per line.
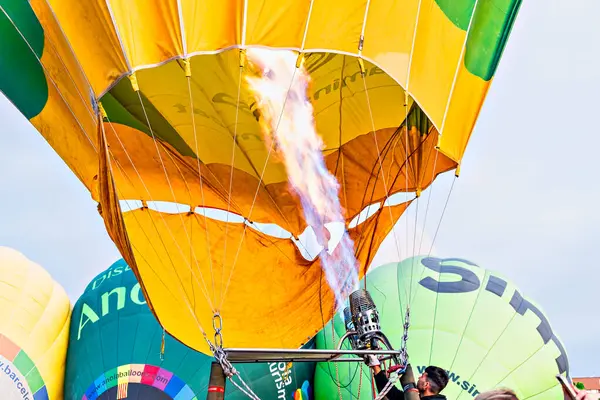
(525,204)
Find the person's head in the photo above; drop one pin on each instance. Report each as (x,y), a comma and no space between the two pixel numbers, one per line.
(432,381)
(497,394)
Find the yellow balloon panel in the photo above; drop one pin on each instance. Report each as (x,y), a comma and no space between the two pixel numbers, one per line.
(34,327)
(336,24)
(462,113)
(90,31)
(149,30)
(276,23)
(393,53)
(438,44)
(265,280)
(175,139)
(212,25)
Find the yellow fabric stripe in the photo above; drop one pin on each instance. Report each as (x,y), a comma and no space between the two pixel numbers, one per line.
(462,113)
(336,24)
(212,25)
(67,121)
(395,22)
(276,23)
(150,30)
(438,45)
(89,29)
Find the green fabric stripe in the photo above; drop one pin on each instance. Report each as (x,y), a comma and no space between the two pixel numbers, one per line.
(122,105)
(26,366)
(23,363)
(22,78)
(35,380)
(490,29)
(492,24)
(417,118)
(120,115)
(458,11)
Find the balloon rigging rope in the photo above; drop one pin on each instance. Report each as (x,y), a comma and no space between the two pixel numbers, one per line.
(180,286)
(441,132)
(462,335)
(439,224)
(380,162)
(437,153)
(488,352)
(460,60)
(210,261)
(122,170)
(176,204)
(406,177)
(441,217)
(237,109)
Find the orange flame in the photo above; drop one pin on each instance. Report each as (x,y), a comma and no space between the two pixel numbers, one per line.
(287,119)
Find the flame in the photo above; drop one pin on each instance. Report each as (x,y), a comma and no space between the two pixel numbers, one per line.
(280,90)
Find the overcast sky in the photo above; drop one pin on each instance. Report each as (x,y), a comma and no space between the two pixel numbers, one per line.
(526,203)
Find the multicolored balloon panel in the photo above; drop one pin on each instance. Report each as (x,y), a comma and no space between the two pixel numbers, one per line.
(34,326)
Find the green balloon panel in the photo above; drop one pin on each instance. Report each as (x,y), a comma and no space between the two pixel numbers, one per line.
(463,318)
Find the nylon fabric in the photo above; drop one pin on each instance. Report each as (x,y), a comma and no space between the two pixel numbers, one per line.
(149,30)
(463,318)
(150,149)
(34,325)
(341,117)
(115,344)
(88,27)
(288,288)
(149,33)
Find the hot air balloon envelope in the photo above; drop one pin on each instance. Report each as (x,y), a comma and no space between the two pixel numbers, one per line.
(146,101)
(34,327)
(463,318)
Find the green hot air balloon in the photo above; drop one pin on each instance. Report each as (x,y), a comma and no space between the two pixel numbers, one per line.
(467,320)
(115,352)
